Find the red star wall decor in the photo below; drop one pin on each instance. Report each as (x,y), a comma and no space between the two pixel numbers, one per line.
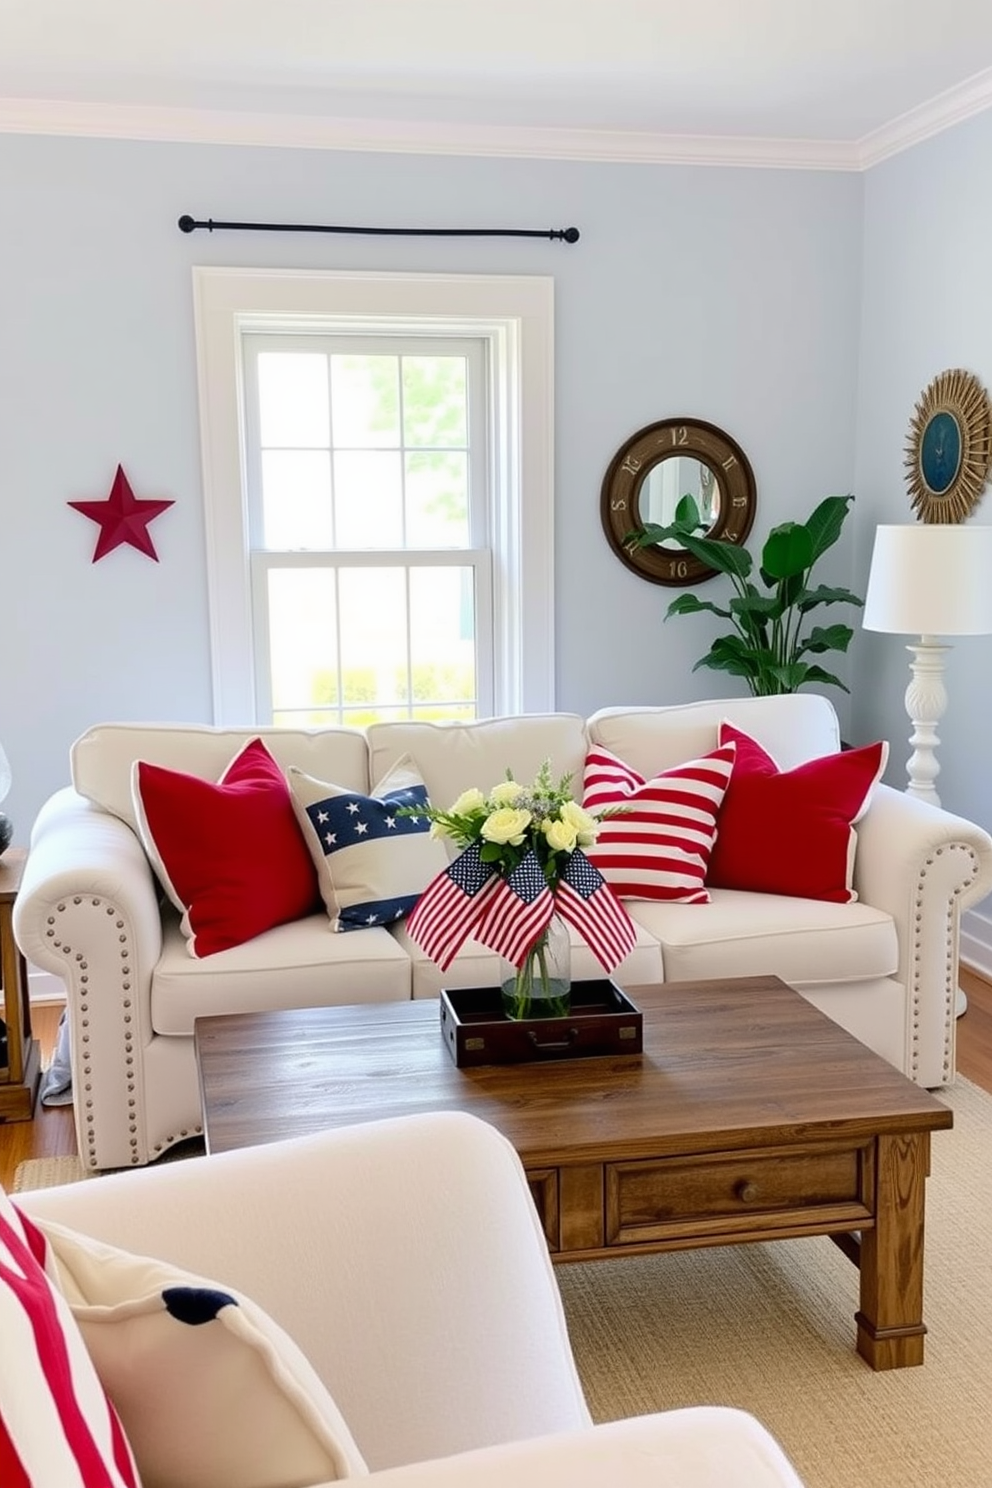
(122,518)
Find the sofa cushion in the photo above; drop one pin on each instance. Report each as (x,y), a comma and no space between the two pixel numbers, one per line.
(454,757)
(792,831)
(293,965)
(659,845)
(230,855)
(211,1391)
(803,941)
(372,865)
(794,727)
(101,758)
(57,1426)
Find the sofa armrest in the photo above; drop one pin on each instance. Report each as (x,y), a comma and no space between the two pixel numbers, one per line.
(923,865)
(698,1447)
(405,1257)
(88,910)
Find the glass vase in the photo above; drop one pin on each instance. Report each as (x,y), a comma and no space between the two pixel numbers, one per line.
(541,986)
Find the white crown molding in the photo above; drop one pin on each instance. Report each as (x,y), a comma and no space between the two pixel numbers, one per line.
(311,132)
(396,136)
(940,113)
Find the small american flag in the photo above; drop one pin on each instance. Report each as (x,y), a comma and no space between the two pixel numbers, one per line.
(448,910)
(584,899)
(518,912)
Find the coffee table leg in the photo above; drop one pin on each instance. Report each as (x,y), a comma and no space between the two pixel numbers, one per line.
(890,1320)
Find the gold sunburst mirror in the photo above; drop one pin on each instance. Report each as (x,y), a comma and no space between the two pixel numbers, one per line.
(949,447)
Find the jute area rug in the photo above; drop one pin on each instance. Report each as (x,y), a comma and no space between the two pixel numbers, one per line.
(51,1172)
(770,1328)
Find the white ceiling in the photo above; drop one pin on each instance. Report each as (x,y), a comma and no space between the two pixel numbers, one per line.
(830,83)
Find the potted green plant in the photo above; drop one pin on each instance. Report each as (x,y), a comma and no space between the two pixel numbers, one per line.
(769,645)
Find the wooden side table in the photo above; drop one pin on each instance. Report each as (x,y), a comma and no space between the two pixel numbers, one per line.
(20,1076)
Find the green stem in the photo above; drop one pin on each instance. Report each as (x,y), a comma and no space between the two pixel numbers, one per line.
(521,1000)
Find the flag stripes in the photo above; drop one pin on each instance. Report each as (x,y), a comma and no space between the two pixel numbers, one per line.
(659,846)
(586,901)
(56,1423)
(447,911)
(518,912)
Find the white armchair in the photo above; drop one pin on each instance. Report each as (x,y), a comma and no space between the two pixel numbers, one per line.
(405,1259)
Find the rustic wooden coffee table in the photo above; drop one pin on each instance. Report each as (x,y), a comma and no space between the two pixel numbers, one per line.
(748,1116)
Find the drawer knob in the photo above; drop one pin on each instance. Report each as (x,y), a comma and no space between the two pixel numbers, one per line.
(746,1190)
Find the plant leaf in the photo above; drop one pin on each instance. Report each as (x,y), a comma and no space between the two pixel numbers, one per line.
(826,594)
(687,514)
(691,604)
(792,675)
(826,638)
(825,522)
(817,674)
(725,557)
(737,666)
(788,551)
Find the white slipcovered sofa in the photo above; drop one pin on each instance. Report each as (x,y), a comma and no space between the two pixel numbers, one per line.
(91,911)
(411,1334)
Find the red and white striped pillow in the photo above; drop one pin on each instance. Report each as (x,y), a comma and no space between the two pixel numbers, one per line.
(57,1427)
(659,847)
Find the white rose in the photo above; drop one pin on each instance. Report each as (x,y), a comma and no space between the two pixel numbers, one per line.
(506,793)
(506,825)
(586,826)
(468,801)
(561,835)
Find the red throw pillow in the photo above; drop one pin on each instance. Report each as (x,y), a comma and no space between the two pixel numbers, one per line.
(230,855)
(659,846)
(792,831)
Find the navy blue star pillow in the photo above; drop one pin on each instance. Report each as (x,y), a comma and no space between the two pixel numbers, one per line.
(372,864)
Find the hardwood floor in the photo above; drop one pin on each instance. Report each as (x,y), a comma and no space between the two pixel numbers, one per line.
(52,1133)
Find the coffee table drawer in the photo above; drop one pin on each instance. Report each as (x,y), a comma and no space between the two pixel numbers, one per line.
(726,1192)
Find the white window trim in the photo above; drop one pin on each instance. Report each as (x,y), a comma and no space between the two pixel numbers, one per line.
(515,314)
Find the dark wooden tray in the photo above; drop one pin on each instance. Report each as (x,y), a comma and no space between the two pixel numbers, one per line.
(603,1020)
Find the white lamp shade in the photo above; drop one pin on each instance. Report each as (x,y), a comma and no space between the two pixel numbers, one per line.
(931,579)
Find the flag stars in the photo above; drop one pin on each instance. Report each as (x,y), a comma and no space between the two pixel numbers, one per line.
(331,839)
(353,806)
(323,817)
(361,828)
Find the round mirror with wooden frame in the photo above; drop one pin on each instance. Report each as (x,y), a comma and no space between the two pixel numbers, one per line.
(650,474)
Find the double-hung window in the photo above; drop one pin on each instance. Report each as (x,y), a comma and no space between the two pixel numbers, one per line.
(377,474)
(371,566)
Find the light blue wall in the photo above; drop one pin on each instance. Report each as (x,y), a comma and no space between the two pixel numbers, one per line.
(729,295)
(927,308)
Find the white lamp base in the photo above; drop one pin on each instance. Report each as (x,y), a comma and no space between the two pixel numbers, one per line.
(926,699)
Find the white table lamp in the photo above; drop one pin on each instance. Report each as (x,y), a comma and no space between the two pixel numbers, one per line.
(929,579)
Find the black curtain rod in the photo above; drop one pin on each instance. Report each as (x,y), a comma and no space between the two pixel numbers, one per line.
(564,234)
